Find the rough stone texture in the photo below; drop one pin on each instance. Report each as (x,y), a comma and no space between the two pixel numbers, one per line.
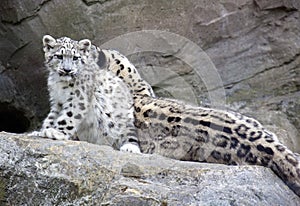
(289,4)
(36,171)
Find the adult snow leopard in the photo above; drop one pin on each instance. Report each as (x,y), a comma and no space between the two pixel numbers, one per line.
(96,94)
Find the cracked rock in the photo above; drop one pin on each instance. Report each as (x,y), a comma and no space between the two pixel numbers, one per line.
(37,171)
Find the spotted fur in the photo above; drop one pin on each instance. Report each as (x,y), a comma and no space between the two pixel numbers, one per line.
(125,70)
(176,130)
(179,131)
(80,107)
(88,101)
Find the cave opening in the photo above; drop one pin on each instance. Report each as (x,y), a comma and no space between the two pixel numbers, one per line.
(13,119)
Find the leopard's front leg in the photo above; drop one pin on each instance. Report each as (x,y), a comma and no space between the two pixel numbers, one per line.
(130,143)
(48,129)
(69,119)
(62,125)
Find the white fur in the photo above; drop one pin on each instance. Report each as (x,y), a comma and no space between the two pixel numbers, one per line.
(132,148)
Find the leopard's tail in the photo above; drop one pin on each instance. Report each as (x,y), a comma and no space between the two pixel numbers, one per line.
(254,145)
(286,165)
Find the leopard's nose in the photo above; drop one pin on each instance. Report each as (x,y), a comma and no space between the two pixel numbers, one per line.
(67,70)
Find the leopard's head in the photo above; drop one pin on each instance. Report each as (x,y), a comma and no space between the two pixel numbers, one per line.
(65,56)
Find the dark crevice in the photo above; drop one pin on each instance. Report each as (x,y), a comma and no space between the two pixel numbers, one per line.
(92,2)
(18,50)
(284,7)
(13,119)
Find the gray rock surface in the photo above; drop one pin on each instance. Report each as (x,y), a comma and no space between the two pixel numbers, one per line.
(36,171)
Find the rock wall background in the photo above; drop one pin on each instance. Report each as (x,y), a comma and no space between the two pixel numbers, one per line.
(254,45)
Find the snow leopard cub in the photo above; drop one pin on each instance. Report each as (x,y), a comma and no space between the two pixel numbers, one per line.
(87,102)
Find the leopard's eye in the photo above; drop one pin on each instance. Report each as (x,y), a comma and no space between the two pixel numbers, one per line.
(59,56)
(75,58)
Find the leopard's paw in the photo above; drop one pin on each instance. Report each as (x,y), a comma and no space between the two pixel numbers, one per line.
(35,134)
(50,133)
(54,134)
(132,148)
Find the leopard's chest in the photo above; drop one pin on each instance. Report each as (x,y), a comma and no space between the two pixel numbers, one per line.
(67,90)
(60,92)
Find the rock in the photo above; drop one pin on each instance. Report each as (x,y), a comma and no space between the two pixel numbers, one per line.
(287,4)
(36,171)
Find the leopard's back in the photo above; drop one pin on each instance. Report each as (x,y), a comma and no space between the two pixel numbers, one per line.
(125,70)
(184,132)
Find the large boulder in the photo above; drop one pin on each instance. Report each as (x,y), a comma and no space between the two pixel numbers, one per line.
(36,171)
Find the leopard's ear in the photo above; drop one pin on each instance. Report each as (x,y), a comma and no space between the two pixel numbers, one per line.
(85,45)
(48,42)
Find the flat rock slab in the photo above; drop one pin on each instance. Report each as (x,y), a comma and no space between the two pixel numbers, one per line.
(36,171)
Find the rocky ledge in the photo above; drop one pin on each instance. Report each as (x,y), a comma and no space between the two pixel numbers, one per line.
(37,171)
